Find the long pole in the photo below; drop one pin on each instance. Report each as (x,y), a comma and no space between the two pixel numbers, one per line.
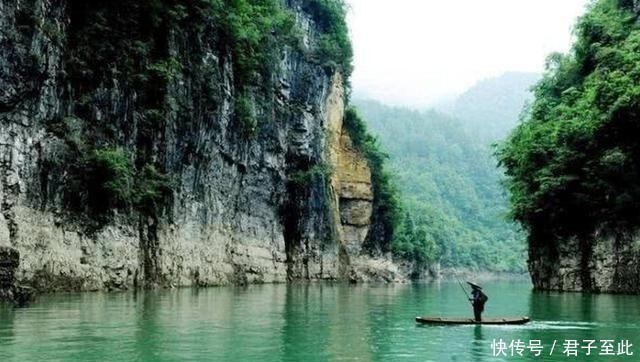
(464,290)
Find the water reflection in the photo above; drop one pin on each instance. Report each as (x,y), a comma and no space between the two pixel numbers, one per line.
(302,331)
(306,321)
(479,347)
(146,333)
(6,330)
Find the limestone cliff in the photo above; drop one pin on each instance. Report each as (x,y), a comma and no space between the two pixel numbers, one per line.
(352,195)
(228,183)
(601,263)
(572,163)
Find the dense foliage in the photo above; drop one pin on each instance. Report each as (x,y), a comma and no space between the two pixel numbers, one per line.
(144,48)
(386,207)
(455,209)
(574,163)
(112,181)
(132,33)
(334,48)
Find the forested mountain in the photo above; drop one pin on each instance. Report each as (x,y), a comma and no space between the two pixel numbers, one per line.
(574,163)
(450,188)
(492,107)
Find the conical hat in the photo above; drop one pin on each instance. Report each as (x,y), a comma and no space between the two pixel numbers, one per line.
(474,285)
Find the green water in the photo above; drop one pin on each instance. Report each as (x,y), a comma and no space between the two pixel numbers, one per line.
(314,322)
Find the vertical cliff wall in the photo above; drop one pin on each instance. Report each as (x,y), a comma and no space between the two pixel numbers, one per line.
(352,196)
(573,163)
(136,157)
(601,263)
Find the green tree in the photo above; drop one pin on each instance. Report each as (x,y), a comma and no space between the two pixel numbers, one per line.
(449,187)
(574,162)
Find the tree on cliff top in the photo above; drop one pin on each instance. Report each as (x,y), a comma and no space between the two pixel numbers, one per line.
(574,162)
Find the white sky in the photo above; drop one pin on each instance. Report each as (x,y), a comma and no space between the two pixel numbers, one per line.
(417,52)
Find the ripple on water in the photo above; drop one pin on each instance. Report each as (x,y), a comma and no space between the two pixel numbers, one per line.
(315,322)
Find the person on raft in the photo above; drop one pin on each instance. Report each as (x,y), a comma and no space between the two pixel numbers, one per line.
(478,299)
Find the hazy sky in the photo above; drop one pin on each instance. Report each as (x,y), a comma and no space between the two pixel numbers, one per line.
(416,52)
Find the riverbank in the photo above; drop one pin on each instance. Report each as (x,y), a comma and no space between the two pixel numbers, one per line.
(482,275)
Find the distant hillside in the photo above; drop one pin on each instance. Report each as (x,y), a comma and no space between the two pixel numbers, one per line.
(450,186)
(492,107)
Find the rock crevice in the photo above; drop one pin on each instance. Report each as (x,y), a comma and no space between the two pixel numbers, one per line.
(600,263)
(247,200)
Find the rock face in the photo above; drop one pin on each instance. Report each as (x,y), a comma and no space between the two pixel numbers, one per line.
(606,260)
(354,194)
(9,261)
(601,264)
(10,290)
(352,191)
(233,214)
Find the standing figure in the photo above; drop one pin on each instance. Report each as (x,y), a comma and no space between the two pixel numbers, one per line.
(478,299)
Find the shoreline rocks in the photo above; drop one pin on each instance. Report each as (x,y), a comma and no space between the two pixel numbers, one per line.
(598,264)
(10,291)
(9,262)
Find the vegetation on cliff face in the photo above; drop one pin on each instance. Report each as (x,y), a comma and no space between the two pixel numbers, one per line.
(156,128)
(144,48)
(334,48)
(131,44)
(386,207)
(393,228)
(574,162)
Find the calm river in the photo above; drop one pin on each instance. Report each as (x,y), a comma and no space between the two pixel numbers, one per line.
(312,322)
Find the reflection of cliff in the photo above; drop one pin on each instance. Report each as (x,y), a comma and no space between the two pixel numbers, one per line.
(7,326)
(586,316)
(304,331)
(349,321)
(327,321)
(582,307)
